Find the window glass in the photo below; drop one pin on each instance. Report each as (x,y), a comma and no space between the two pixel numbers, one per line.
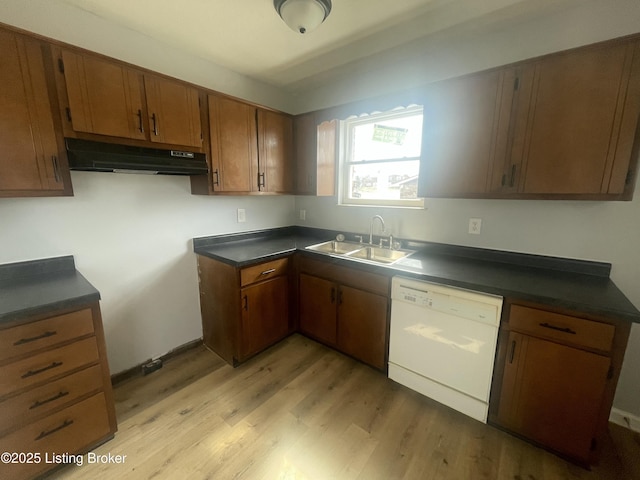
(381,159)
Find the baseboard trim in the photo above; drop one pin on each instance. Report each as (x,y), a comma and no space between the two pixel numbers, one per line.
(625,419)
(136,370)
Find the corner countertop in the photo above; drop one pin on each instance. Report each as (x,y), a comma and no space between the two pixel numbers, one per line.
(582,286)
(40,286)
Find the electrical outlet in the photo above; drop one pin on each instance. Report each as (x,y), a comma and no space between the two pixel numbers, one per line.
(303,214)
(475,226)
(242,215)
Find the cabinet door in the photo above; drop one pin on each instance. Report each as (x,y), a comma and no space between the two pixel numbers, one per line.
(315,156)
(105,98)
(234,148)
(265,315)
(305,137)
(552,393)
(174,112)
(577,114)
(362,325)
(318,299)
(275,145)
(459,130)
(30,156)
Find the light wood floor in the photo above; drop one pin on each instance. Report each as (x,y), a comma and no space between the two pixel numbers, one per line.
(301,411)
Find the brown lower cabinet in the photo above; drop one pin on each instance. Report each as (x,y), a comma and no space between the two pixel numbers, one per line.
(555,378)
(345,308)
(244,310)
(55,389)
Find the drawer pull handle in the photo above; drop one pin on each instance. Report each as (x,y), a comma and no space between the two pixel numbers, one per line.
(560,329)
(245,305)
(333,294)
(31,373)
(22,341)
(267,272)
(54,430)
(39,403)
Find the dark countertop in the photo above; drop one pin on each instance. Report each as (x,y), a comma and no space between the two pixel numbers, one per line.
(579,285)
(39,286)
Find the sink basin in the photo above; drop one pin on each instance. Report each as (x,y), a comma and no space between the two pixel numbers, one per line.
(335,247)
(359,251)
(380,255)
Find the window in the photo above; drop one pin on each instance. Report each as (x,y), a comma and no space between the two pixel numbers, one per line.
(381,159)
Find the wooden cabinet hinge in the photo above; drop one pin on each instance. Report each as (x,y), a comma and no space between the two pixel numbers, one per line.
(68,111)
(61,66)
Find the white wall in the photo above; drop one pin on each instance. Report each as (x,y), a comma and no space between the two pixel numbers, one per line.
(131,238)
(604,231)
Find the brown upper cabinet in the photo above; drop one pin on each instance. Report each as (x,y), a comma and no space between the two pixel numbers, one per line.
(33,160)
(251,150)
(103,97)
(458,143)
(315,155)
(275,144)
(562,126)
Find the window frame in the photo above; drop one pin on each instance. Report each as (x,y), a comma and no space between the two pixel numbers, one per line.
(346,148)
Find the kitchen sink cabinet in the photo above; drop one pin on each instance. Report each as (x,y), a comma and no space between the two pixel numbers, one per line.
(33,160)
(108,98)
(244,310)
(55,387)
(345,308)
(555,378)
(317,308)
(315,155)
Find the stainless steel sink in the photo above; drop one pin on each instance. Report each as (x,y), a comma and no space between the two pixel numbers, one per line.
(336,247)
(359,251)
(380,255)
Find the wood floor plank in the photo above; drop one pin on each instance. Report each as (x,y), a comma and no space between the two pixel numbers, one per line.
(301,411)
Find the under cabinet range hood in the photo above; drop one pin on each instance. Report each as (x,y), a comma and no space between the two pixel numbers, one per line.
(108,157)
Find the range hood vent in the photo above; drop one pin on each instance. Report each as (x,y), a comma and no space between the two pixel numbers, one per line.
(108,157)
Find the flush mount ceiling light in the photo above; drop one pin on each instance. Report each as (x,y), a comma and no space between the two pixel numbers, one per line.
(303,16)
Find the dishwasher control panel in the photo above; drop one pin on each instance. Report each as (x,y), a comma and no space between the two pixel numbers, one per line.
(420,298)
(442,298)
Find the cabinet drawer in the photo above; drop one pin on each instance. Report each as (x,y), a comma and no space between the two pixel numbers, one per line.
(262,271)
(49,364)
(38,401)
(44,333)
(71,430)
(556,326)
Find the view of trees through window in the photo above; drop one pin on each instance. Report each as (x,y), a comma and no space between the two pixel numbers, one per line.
(382,158)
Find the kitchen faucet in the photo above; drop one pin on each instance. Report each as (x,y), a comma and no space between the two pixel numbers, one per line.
(371,227)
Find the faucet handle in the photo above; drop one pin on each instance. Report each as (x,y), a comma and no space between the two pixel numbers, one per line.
(382,240)
(358,237)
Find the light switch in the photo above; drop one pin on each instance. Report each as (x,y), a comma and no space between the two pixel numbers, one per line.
(242,216)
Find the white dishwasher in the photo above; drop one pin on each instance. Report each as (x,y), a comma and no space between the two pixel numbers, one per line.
(443,343)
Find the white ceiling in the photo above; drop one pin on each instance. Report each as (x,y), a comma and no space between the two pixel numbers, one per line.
(248,37)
